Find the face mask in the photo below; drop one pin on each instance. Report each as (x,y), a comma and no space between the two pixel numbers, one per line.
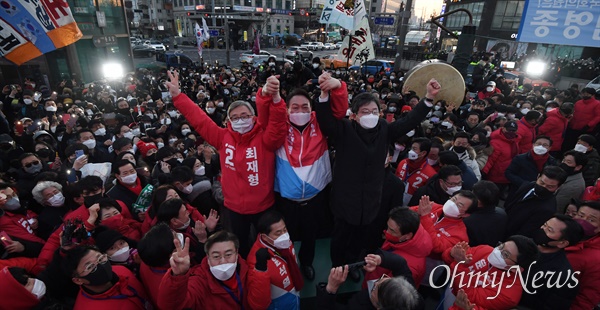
(184,132)
(540,150)
(129,135)
(271,64)
(315,66)
(392,77)
(224,271)
(200,171)
(510,116)
(410,133)
(524,111)
(151,116)
(369,121)
(160,145)
(100,132)
(447,124)
(102,275)
(541,191)
(282,242)
(390,238)
(459,149)
(91,200)
(548,109)
(567,169)
(91,143)
(432,162)
(220,104)
(172,113)
(399,147)
(253,98)
(518,105)
(540,238)
(580,148)
(57,200)
(371,80)
(489,89)
(496,260)
(392,109)
(136,132)
(27,101)
(121,255)
(349,97)
(450,208)
(210,110)
(243,126)
(588,229)
(435,120)
(488,134)
(59,138)
(12,204)
(188,189)
(300,119)
(51,109)
(412,155)
(129,179)
(437,107)
(33,169)
(180,160)
(39,289)
(166,121)
(232,79)
(546,97)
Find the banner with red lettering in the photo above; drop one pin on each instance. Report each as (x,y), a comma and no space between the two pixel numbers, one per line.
(361,48)
(30,28)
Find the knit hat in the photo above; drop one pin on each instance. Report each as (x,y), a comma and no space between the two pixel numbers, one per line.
(105,239)
(144,147)
(406,108)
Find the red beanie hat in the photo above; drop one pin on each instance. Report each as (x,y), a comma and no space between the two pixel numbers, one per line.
(144,147)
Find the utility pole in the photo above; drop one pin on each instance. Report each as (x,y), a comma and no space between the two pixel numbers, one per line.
(402,30)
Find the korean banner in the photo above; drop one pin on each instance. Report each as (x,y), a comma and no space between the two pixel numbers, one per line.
(201,35)
(362,45)
(567,22)
(31,28)
(346,13)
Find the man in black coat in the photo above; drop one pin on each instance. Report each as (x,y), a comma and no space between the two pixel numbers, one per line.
(128,188)
(361,145)
(534,203)
(440,187)
(525,168)
(487,223)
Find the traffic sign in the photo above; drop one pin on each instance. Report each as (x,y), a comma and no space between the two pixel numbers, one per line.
(213,33)
(384,20)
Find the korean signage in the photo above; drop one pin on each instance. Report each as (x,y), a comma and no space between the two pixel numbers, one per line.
(563,22)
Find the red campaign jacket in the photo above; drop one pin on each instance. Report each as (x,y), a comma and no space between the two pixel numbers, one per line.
(584,257)
(444,233)
(586,113)
(248,160)
(527,133)
(26,263)
(415,251)
(199,289)
(14,295)
(554,127)
(127,294)
(479,290)
(484,94)
(53,242)
(150,278)
(504,151)
(129,228)
(148,223)
(417,179)
(16,225)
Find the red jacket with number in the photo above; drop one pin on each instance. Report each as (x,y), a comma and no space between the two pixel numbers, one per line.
(584,257)
(417,179)
(586,113)
(554,127)
(504,151)
(150,278)
(199,289)
(506,285)
(444,233)
(127,294)
(16,225)
(527,133)
(14,295)
(248,160)
(53,242)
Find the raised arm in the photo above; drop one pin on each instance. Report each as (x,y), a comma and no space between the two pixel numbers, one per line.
(417,115)
(275,128)
(265,96)
(328,116)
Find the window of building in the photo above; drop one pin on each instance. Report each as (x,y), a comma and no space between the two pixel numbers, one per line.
(457,20)
(507,15)
(288,5)
(269,4)
(278,4)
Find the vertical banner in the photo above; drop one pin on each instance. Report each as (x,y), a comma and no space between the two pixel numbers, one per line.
(31,28)
(570,22)
(202,35)
(256,47)
(362,45)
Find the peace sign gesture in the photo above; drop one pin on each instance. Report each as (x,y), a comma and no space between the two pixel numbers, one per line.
(180,259)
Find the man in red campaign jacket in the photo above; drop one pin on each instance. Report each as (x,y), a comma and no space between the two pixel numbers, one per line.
(222,281)
(502,265)
(505,142)
(19,292)
(555,124)
(406,237)
(414,171)
(247,151)
(585,255)
(586,115)
(102,285)
(284,273)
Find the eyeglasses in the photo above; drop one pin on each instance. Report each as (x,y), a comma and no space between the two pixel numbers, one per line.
(365,112)
(546,145)
(34,163)
(505,254)
(376,284)
(91,268)
(242,117)
(459,183)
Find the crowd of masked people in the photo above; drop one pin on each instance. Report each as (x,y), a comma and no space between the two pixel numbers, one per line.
(186,189)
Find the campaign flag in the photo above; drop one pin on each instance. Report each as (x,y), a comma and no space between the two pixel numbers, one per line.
(256,47)
(31,28)
(346,13)
(573,22)
(362,45)
(199,38)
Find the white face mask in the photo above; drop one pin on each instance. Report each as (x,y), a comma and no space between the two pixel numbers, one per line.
(172,140)
(436,107)
(89,112)
(172,113)
(121,255)
(243,126)
(129,135)
(271,64)
(160,145)
(39,289)
(27,101)
(580,148)
(166,121)
(210,110)
(129,179)
(524,111)
(53,129)
(540,150)
(180,237)
(57,200)
(369,121)
(224,271)
(100,132)
(412,155)
(495,259)
(432,162)
(253,98)
(489,89)
(200,171)
(447,124)
(282,242)
(410,133)
(548,109)
(51,109)
(450,208)
(91,143)
(488,134)
(184,132)
(300,119)
(220,104)
(188,189)
(315,66)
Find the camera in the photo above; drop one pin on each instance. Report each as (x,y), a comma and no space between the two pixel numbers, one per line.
(74,232)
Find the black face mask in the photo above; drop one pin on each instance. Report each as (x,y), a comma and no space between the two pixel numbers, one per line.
(91,200)
(124,111)
(45,153)
(540,238)
(102,275)
(567,169)
(459,149)
(151,160)
(173,162)
(541,191)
